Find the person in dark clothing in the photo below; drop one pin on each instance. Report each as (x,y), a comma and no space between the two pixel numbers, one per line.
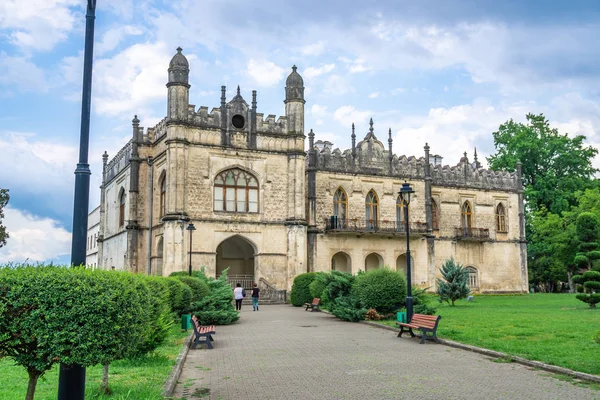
(255,296)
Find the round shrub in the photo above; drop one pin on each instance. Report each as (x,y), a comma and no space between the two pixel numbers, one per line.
(199,288)
(300,289)
(381,289)
(175,294)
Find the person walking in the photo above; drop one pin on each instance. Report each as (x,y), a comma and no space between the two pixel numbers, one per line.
(255,296)
(238,295)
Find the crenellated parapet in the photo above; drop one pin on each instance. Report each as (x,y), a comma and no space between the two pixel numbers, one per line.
(119,162)
(468,175)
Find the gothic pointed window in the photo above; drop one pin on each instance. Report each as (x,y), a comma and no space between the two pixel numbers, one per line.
(371,210)
(122,208)
(472,282)
(435,215)
(236,191)
(467,216)
(340,208)
(400,222)
(163,196)
(500,218)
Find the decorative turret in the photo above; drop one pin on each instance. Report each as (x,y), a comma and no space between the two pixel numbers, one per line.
(179,88)
(294,102)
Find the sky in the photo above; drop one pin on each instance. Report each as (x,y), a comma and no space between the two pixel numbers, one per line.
(446,72)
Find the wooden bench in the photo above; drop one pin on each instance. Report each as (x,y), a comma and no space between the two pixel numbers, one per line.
(314,306)
(424,323)
(202,334)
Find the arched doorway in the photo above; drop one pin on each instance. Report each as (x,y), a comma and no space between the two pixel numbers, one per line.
(401,266)
(373,261)
(341,262)
(237,254)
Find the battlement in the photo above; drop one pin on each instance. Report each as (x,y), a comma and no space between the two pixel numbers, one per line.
(119,162)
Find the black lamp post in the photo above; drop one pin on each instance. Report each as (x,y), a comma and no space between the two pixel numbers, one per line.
(405,193)
(191,228)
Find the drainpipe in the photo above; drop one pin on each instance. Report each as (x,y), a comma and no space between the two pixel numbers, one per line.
(151,197)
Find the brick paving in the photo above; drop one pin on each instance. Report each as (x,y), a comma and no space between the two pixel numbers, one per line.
(284,352)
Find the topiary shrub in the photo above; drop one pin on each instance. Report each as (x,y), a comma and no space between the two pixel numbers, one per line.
(199,287)
(300,289)
(216,308)
(176,295)
(381,289)
(160,318)
(590,281)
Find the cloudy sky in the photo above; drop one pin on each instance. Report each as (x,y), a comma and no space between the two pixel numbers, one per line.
(447,72)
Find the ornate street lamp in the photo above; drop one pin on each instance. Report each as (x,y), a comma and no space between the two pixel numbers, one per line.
(405,193)
(191,228)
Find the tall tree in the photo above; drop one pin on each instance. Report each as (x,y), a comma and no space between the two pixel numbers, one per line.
(4,197)
(555,166)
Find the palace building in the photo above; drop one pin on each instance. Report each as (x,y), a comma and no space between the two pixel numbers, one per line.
(268,210)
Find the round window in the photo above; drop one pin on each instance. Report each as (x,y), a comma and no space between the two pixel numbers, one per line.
(238,121)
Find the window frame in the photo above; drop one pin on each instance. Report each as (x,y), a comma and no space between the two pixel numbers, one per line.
(435,215)
(501,226)
(341,219)
(163,196)
(466,215)
(122,200)
(473,278)
(372,210)
(237,175)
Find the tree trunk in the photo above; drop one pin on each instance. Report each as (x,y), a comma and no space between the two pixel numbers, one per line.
(570,280)
(104,386)
(33,378)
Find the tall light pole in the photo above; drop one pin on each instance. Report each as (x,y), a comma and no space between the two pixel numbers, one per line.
(71,378)
(405,193)
(191,228)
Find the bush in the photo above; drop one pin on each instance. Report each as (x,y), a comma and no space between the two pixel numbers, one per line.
(382,289)
(217,308)
(318,285)
(348,308)
(591,284)
(160,318)
(199,287)
(300,289)
(338,284)
(421,300)
(176,295)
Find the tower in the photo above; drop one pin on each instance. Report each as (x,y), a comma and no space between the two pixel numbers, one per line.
(178,87)
(294,102)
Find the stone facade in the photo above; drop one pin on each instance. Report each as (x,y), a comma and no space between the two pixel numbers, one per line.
(262,206)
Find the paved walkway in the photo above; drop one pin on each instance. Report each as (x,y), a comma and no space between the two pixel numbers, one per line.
(283,352)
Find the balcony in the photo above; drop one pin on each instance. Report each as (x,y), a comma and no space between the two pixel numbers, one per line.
(336,225)
(475,234)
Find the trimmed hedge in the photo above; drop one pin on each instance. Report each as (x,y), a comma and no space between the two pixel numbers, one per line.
(381,289)
(199,287)
(300,289)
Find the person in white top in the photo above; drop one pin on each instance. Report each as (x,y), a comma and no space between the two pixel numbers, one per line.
(238,295)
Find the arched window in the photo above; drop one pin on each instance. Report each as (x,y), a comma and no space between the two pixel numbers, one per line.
(435,215)
(500,218)
(163,196)
(400,222)
(340,207)
(122,208)
(236,191)
(472,277)
(371,212)
(467,216)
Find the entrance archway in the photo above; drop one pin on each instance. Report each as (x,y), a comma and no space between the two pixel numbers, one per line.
(401,266)
(341,262)
(373,261)
(237,254)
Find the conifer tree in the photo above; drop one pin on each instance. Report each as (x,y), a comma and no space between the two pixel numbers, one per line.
(454,284)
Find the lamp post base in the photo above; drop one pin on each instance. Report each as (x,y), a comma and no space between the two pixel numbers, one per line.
(409,308)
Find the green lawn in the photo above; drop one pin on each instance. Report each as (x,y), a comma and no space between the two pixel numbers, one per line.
(137,379)
(553,328)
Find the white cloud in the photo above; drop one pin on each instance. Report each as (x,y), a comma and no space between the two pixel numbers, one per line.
(312,72)
(374,95)
(33,238)
(347,115)
(318,110)
(397,91)
(264,73)
(114,36)
(21,74)
(313,49)
(37,24)
(337,85)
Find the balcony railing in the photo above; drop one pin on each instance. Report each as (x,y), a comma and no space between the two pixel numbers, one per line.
(472,233)
(335,224)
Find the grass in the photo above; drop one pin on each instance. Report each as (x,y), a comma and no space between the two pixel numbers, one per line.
(556,329)
(128,379)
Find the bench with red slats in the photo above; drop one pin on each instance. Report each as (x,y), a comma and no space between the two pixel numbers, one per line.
(202,334)
(422,322)
(314,306)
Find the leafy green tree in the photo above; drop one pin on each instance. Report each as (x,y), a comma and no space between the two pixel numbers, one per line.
(4,197)
(554,166)
(591,285)
(588,234)
(454,284)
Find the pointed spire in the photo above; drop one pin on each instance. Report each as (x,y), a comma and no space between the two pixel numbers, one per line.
(238,90)
(371,125)
(254,99)
(179,49)
(353,135)
(104,157)
(353,143)
(294,68)
(135,120)
(390,141)
(223,97)
(475,156)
